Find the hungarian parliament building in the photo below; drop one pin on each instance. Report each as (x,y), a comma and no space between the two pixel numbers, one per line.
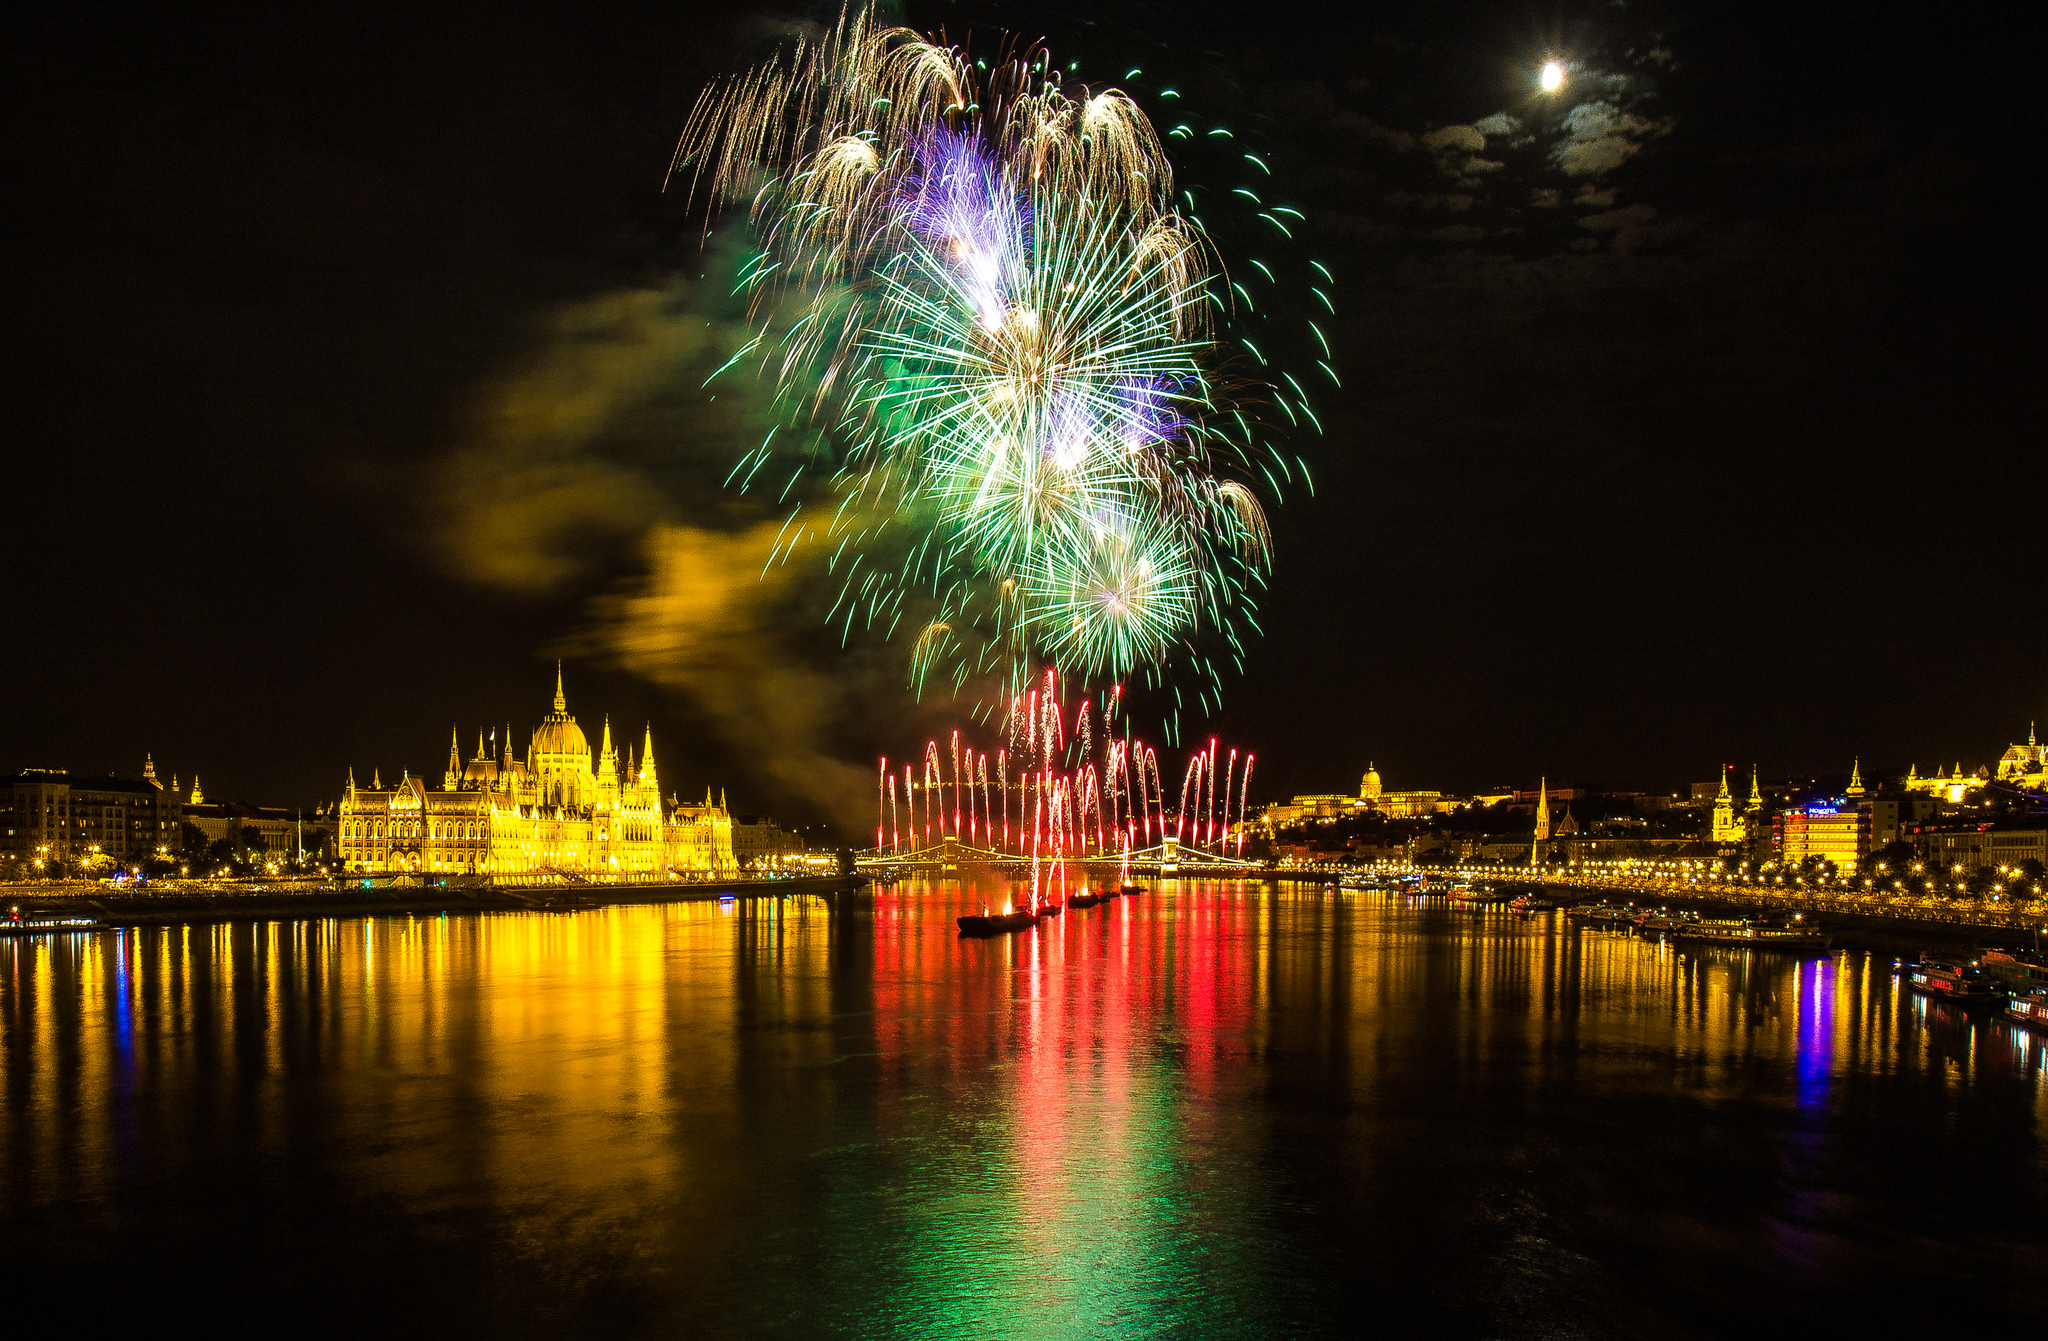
(552,812)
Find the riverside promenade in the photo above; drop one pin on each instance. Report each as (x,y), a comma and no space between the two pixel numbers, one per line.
(183,901)
(2005,915)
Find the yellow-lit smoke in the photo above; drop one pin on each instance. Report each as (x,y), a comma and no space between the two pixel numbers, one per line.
(596,469)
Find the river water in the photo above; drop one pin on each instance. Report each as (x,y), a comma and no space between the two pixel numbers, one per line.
(1216,1110)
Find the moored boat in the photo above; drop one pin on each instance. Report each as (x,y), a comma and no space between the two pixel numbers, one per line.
(17,923)
(1132,889)
(1084,900)
(1535,903)
(2029,1009)
(1748,934)
(1601,914)
(1951,981)
(1656,924)
(2024,971)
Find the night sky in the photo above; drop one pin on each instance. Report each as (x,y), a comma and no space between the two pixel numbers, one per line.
(1697,425)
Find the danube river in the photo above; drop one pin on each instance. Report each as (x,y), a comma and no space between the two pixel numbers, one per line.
(1217,1110)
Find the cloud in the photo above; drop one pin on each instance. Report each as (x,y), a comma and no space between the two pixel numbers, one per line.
(1599,137)
(524,493)
(1638,227)
(1595,157)
(1500,123)
(594,470)
(1612,220)
(1483,165)
(1458,139)
(1595,197)
(702,620)
(1452,202)
(1359,126)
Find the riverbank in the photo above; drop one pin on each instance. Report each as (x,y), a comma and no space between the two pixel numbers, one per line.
(1899,935)
(178,907)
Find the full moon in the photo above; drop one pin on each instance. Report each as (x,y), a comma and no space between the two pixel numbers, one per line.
(1553,76)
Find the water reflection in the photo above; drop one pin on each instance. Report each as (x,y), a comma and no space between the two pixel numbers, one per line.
(1217,1109)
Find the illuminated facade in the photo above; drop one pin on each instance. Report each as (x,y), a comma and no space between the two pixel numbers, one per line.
(2025,765)
(1950,787)
(50,813)
(1977,846)
(554,812)
(1841,836)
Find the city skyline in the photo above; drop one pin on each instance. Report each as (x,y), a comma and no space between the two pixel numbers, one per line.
(991,668)
(1591,468)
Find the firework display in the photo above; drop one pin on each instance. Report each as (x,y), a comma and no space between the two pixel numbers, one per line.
(1060,786)
(976,295)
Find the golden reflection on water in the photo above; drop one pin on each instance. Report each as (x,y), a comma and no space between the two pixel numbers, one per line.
(1116,1097)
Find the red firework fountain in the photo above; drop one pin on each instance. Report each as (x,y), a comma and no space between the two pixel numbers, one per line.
(1052,795)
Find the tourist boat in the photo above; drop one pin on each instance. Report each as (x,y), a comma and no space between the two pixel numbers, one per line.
(1656,924)
(1474,898)
(1601,914)
(1535,903)
(992,924)
(1950,981)
(1748,934)
(46,924)
(2030,1009)
(2024,971)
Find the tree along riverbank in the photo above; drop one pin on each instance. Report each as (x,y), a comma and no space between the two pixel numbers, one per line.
(257,903)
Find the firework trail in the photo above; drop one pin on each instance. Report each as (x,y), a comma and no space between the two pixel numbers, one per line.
(976,296)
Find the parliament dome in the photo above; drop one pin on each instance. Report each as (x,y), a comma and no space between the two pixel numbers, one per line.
(559,734)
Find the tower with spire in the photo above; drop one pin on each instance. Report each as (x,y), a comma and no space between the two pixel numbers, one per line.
(1725,828)
(1542,822)
(1855,778)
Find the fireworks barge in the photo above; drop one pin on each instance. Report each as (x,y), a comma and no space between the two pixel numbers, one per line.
(994,924)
